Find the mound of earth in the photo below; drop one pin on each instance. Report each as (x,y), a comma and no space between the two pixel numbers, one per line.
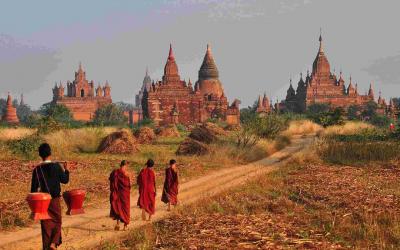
(145,135)
(170,131)
(217,130)
(232,128)
(120,142)
(192,147)
(203,134)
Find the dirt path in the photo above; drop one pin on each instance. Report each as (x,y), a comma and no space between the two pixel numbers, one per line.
(89,229)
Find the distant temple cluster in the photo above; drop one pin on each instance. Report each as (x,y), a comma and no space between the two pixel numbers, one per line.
(175,101)
(82,98)
(323,86)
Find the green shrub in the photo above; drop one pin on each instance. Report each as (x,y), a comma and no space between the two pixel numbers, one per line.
(26,147)
(327,118)
(48,124)
(269,126)
(181,127)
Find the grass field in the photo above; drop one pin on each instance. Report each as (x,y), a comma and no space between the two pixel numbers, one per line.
(91,169)
(309,203)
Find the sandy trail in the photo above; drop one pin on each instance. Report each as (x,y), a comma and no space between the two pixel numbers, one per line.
(88,230)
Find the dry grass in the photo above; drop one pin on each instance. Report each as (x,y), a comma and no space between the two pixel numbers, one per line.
(301,205)
(302,127)
(83,140)
(347,129)
(80,145)
(7,134)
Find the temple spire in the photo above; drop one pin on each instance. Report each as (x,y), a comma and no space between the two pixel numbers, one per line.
(171,52)
(321,49)
(22,100)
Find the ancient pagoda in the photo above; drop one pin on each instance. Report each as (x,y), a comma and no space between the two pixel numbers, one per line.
(10,115)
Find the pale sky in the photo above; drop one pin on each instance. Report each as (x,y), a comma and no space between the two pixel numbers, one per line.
(257,44)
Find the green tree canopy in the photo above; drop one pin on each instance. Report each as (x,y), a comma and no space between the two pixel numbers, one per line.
(23,113)
(58,112)
(354,112)
(110,114)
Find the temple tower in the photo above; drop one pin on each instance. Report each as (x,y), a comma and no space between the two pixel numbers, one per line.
(10,116)
(209,83)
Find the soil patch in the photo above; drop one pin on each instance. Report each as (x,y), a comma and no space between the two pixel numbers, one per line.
(120,142)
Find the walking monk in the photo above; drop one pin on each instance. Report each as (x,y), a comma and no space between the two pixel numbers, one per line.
(147,190)
(48,177)
(120,188)
(170,190)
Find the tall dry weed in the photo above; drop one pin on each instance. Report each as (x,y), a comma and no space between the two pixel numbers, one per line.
(7,134)
(83,140)
(302,127)
(348,128)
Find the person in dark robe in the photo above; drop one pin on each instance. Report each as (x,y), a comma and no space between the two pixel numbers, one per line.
(146,181)
(170,190)
(47,178)
(120,189)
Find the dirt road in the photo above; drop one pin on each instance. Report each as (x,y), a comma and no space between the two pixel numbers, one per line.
(88,230)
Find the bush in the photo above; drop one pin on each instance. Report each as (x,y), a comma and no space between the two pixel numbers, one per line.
(380,120)
(26,147)
(47,125)
(181,127)
(327,118)
(271,125)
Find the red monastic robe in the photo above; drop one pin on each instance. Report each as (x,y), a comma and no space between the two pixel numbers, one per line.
(120,187)
(170,191)
(147,190)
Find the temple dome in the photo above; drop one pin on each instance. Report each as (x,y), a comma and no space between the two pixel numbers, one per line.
(208,76)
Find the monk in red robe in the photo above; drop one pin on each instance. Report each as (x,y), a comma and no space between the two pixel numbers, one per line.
(147,190)
(170,190)
(120,188)
(47,178)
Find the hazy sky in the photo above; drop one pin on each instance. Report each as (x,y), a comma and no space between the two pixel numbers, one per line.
(257,44)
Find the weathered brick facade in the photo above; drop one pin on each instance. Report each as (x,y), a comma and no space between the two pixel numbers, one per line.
(82,98)
(173,101)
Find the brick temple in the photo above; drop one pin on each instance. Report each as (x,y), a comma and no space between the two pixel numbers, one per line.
(323,86)
(173,100)
(82,97)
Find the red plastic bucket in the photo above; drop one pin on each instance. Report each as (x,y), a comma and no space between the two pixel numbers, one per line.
(74,200)
(39,204)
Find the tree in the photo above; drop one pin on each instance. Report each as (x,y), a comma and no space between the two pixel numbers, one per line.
(125,106)
(354,112)
(249,113)
(3,106)
(58,112)
(110,114)
(328,118)
(369,110)
(317,108)
(380,120)
(23,113)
